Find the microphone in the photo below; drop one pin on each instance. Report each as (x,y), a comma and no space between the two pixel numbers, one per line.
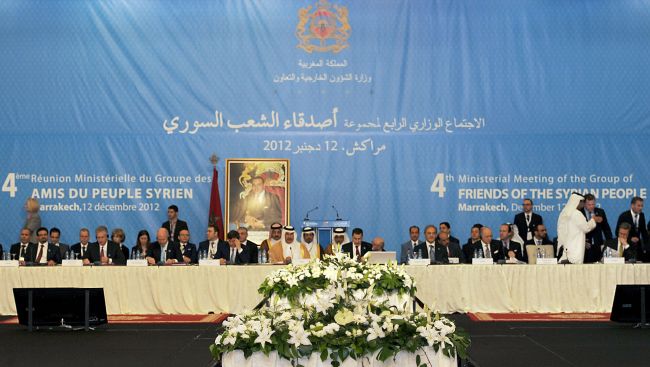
(338,217)
(309,211)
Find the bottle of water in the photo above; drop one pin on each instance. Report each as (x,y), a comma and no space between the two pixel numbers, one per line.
(259,257)
(419,253)
(263,256)
(67,255)
(539,253)
(608,252)
(476,253)
(480,253)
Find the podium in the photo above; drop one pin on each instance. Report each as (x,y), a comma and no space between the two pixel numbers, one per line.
(324,228)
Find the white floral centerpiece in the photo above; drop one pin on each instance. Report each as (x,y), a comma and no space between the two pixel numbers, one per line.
(338,309)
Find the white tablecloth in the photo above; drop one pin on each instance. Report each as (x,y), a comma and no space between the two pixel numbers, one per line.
(447,288)
(428,356)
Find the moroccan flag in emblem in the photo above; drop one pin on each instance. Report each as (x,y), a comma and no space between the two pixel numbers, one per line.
(215,216)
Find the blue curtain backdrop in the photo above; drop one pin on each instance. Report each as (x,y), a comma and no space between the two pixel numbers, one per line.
(432,110)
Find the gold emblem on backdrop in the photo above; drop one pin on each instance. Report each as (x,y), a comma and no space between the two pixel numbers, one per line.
(323,27)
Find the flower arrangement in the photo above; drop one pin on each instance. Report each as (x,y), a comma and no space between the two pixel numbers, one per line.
(339,309)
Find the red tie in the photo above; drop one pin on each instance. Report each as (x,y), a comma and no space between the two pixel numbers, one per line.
(101,252)
(40,254)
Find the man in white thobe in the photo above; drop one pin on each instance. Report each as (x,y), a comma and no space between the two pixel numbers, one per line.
(572,227)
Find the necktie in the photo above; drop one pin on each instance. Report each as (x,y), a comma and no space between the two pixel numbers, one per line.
(232,255)
(172,226)
(182,248)
(620,250)
(163,254)
(636,221)
(22,251)
(211,248)
(527,218)
(101,252)
(358,251)
(83,250)
(487,251)
(40,254)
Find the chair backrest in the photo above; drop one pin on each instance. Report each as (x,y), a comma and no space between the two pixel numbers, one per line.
(531,251)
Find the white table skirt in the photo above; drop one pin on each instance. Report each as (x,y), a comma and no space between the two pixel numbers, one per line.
(402,359)
(447,288)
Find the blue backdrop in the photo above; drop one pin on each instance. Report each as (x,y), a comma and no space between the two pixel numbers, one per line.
(427,111)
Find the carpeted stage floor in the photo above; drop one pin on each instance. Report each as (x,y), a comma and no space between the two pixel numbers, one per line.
(502,343)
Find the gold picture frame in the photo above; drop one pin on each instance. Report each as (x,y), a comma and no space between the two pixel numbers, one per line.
(258,193)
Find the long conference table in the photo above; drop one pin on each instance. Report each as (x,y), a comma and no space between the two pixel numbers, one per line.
(447,288)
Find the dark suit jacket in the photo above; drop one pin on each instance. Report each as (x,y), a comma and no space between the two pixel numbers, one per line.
(205,246)
(520,222)
(365,247)
(513,246)
(251,251)
(63,248)
(15,250)
(440,252)
(597,237)
(191,252)
(407,249)
(468,249)
(643,253)
(53,253)
(455,251)
(496,249)
(125,251)
(629,254)
(173,252)
(180,225)
(223,252)
(112,251)
(76,248)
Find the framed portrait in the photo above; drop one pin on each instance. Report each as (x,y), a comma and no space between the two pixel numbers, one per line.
(257,195)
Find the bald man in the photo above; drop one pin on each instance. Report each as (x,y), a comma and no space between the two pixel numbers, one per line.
(378,244)
(490,247)
(163,251)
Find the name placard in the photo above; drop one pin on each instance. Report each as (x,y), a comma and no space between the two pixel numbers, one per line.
(419,262)
(76,263)
(483,261)
(546,261)
(209,262)
(137,262)
(454,260)
(613,260)
(9,263)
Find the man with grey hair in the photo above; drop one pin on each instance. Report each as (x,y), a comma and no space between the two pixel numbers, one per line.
(378,244)
(620,246)
(490,247)
(430,248)
(104,252)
